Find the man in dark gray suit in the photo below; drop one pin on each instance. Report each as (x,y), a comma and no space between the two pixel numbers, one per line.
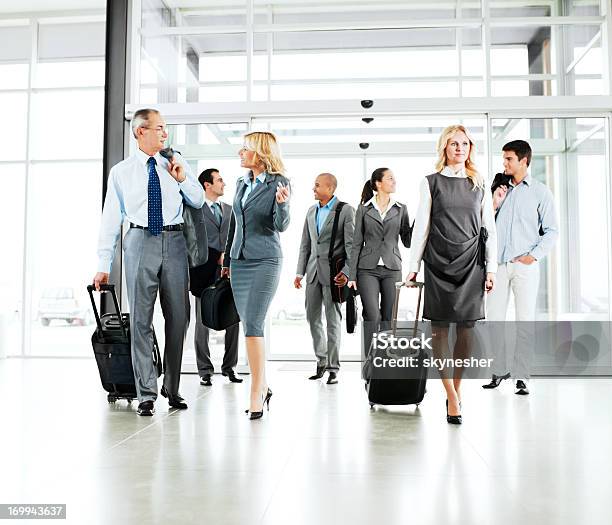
(315,264)
(217,216)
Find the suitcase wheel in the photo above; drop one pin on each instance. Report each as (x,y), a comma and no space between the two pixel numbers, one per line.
(417,405)
(111,398)
(129,400)
(371,406)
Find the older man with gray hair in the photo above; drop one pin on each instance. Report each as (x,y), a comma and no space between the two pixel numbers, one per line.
(149,190)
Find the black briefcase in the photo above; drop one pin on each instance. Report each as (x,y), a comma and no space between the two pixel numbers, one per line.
(218,307)
(112,350)
(201,277)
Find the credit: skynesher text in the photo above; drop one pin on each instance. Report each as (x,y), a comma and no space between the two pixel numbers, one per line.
(440,364)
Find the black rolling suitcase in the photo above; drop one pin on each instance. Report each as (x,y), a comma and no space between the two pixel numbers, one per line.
(111,345)
(401,387)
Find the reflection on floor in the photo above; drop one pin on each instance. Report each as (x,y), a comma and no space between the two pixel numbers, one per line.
(319,456)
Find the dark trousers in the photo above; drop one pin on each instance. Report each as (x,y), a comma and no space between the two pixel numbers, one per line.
(377,292)
(201,340)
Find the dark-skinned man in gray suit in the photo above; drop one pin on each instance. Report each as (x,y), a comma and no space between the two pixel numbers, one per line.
(315,264)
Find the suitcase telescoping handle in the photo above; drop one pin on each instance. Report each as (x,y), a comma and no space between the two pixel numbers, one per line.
(106,288)
(398,286)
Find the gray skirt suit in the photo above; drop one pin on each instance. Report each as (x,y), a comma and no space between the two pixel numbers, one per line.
(253,251)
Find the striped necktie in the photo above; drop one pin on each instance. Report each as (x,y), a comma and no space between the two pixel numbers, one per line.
(156,219)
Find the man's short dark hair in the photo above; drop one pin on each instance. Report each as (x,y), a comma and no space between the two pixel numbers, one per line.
(207,176)
(521,148)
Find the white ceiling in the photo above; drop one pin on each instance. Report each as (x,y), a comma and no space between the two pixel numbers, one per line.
(29,6)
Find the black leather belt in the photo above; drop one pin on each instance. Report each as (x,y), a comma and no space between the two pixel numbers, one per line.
(169,228)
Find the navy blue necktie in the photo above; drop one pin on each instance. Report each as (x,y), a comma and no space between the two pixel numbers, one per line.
(156,219)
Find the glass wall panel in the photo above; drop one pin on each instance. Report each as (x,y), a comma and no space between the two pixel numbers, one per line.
(287,12)
(570,53)
(77,40)
(410,63)
(63,227)
(584,60)
(172,62)
(12,210)
(14,76)
(156,13)
(67,124)
(531,8)
(85,73)
(13,133)
(21,43)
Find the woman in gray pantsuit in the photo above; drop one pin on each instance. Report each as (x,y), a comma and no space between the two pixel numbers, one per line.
(253,253)
(454,234)
(376,263)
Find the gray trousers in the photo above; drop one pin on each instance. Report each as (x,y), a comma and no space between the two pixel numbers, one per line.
(230,357)
(377,292)
(152,264)
(327,349)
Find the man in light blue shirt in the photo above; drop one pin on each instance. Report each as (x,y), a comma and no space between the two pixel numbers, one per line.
(526,232)
(148,190)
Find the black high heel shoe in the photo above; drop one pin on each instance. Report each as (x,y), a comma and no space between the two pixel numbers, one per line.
(453,420)
(259,415)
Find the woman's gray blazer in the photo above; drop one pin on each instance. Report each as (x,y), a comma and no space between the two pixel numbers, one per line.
(374,238)
(254,229)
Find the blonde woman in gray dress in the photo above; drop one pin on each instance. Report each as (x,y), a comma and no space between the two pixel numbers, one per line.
(454,234)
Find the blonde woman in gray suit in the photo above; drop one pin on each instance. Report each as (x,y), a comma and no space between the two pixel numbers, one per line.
(253,253)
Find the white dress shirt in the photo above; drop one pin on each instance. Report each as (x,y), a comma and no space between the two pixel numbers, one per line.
(423,222)
(382,214)
(127,198)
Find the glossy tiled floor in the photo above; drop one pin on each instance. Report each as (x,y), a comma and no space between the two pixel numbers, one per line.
(320,456)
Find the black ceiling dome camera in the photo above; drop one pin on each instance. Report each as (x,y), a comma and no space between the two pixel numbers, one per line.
(364,145)
(367,120)
(367,104)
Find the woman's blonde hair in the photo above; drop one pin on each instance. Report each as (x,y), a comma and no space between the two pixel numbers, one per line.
(266,149)
(470,167)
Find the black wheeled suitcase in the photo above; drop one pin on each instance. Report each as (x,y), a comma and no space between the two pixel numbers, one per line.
(112,349)
(401,387)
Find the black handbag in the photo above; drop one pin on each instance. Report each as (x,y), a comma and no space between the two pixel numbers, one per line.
(218,307)
(352,313)
(336,262)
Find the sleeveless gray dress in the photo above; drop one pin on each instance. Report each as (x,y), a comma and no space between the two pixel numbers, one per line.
(454,253)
